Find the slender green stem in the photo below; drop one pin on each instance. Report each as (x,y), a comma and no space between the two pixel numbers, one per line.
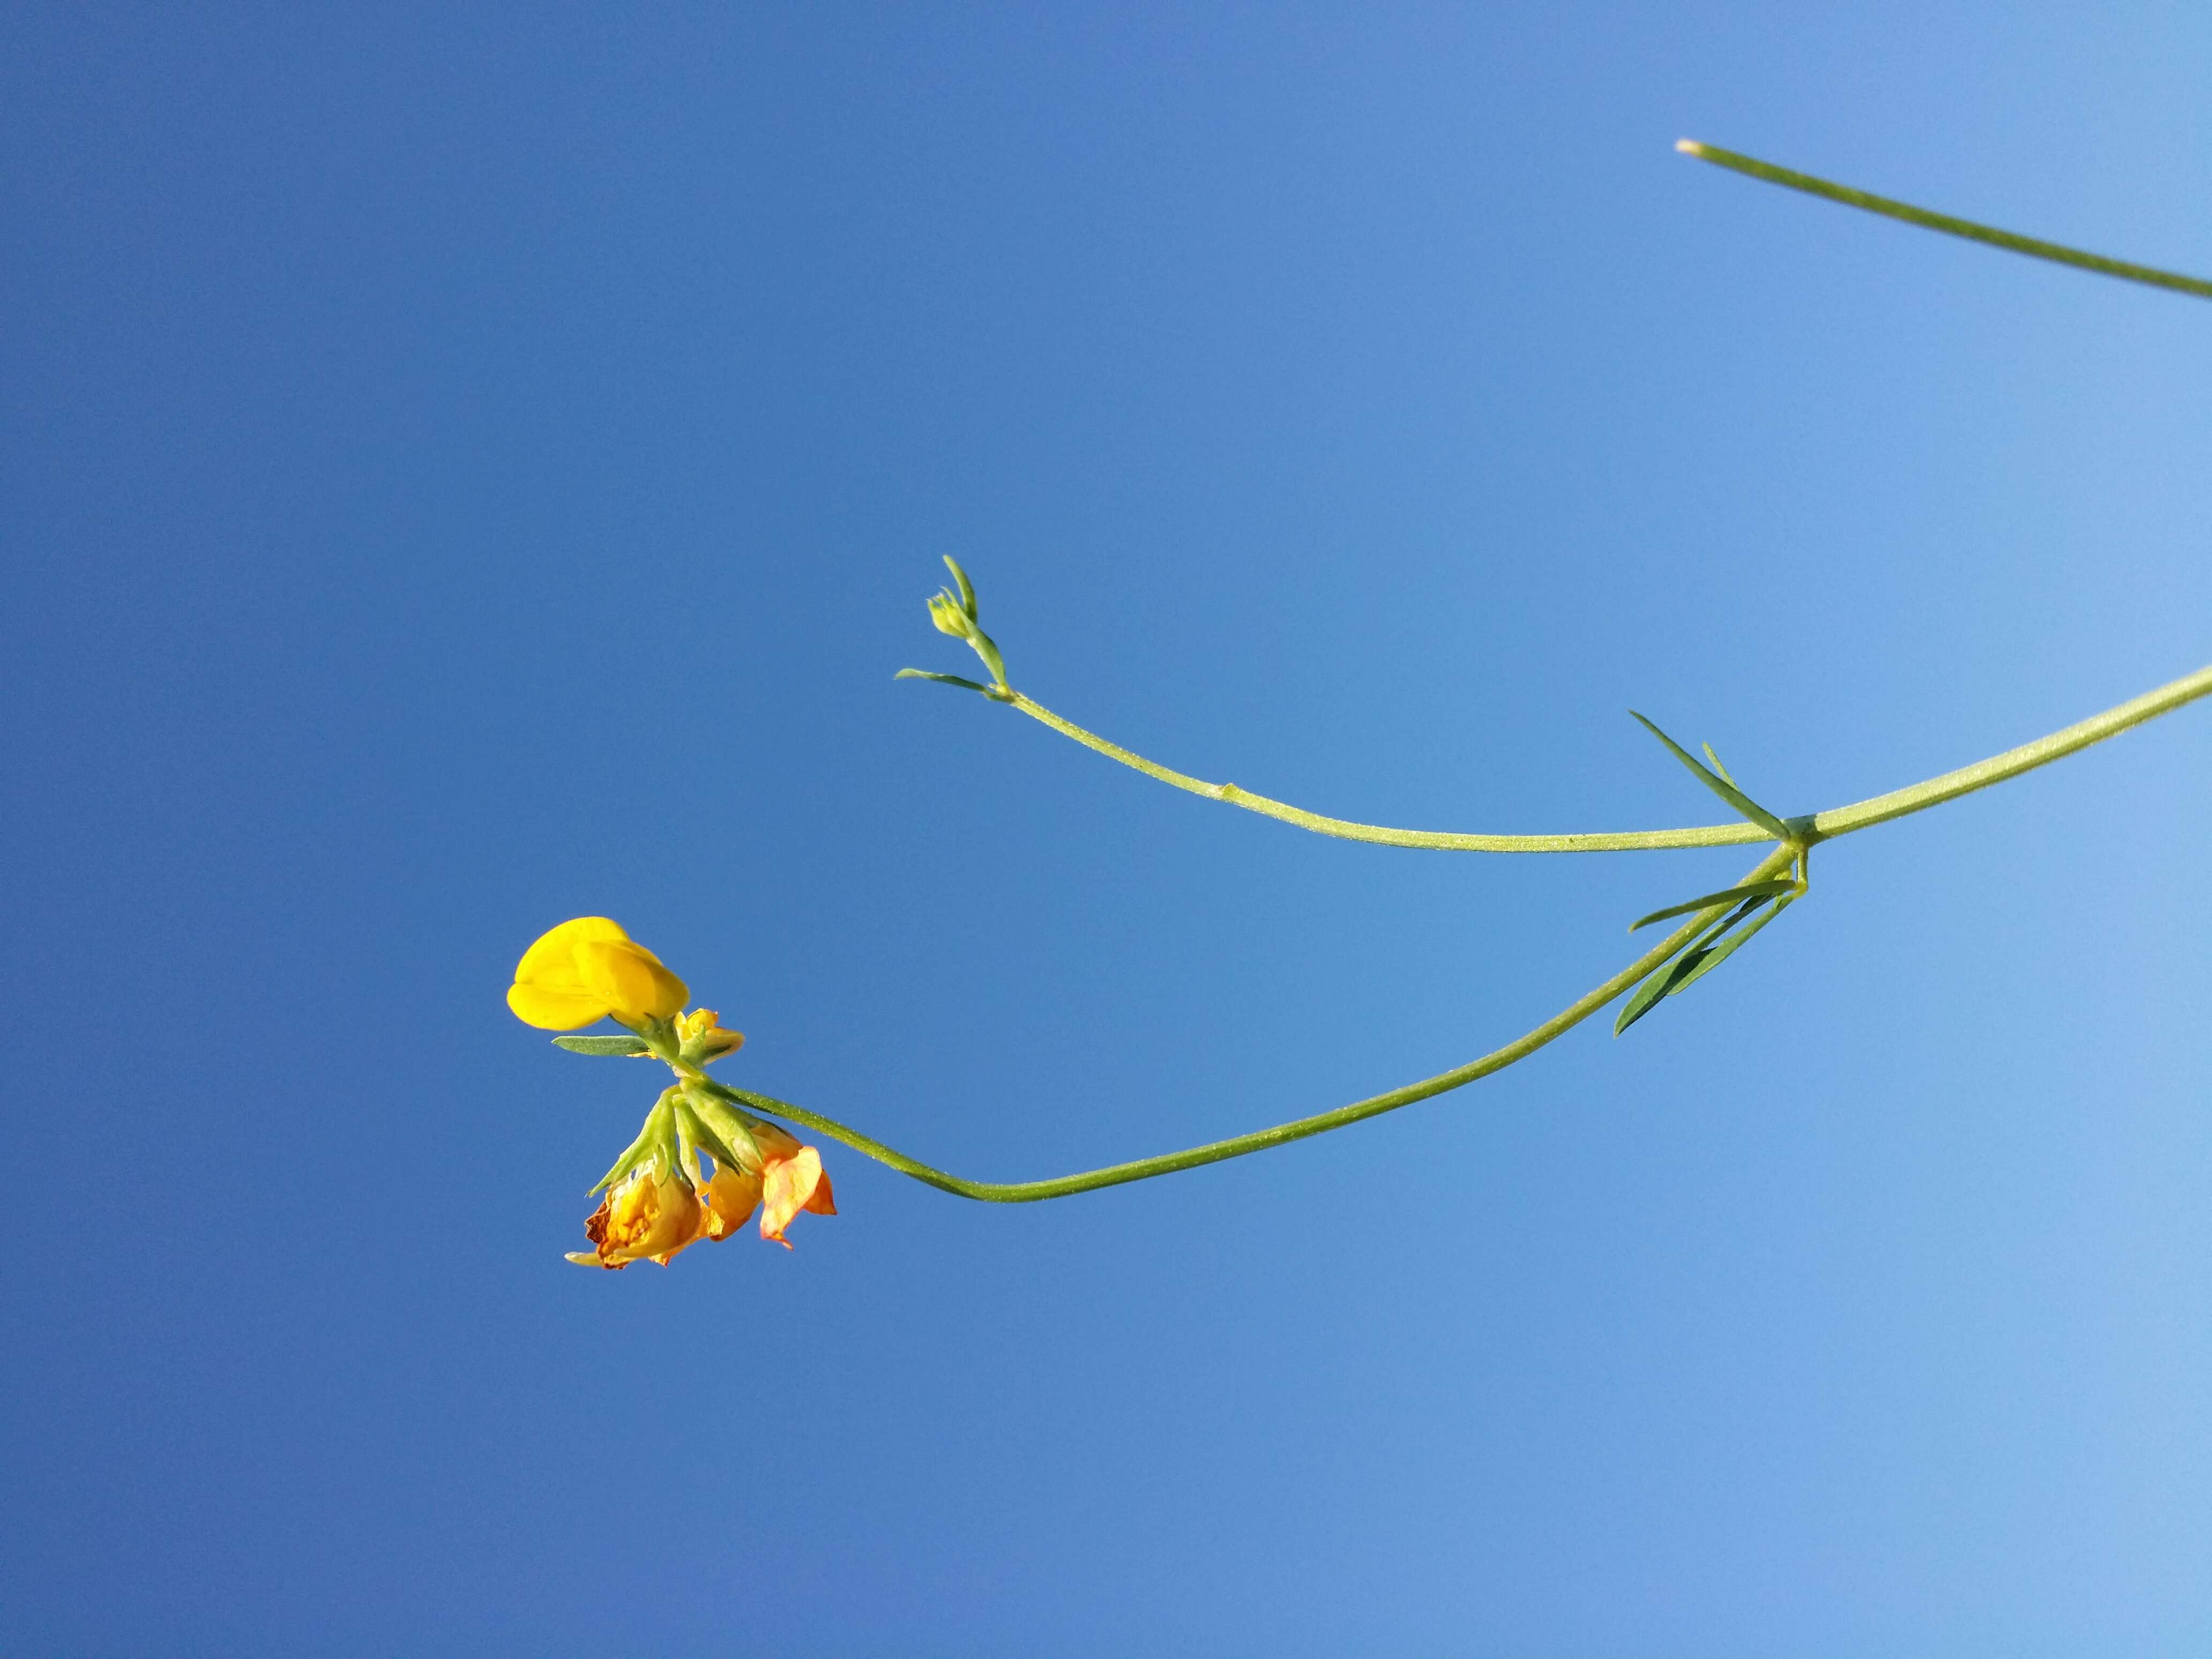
(1825,826)
(1822,826)
(1918,798)
(1114,1175)
(1719,835)
(1801,833)
(2032,246)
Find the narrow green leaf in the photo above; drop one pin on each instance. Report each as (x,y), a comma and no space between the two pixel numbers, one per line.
(988,651)
(1709,959)
(1727,792)
(1662,979)
(942,679)
(1756,890)
(1647,996)
(967,587)
(628,1045)
(1716,760)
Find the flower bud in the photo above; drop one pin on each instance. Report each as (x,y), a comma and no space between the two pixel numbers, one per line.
(703,1038)
(946,616)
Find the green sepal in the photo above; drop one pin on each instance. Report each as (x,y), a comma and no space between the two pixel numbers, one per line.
(942,679)
(655,1142)
(1716,760)
(1712,957)
(698,1053)
(725,1132)
(1727,792)
(1753,890)
(629,1047)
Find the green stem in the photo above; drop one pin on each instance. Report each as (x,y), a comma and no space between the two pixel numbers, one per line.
(1114,1175)
(1823,826)
(1839,821)
(1719,835)
(2033,247)
(1918,796)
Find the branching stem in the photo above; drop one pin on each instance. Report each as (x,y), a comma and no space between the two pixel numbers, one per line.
(1824,826)
(958,618)
(1114,1175)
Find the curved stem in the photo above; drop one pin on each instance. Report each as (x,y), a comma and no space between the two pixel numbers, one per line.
(1114,1175)
(1822,826)
(2057,253)
(1626,840)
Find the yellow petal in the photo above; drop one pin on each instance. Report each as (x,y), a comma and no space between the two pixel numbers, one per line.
(730,1200)
(648,1215)
(552,959)
(552,1010)
(629,979)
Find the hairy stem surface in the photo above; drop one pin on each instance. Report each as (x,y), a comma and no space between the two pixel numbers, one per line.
(1821,826)
(2035,248)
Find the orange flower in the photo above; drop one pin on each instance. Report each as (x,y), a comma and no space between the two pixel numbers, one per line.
(650,1213)
(790,1179)
(586,971)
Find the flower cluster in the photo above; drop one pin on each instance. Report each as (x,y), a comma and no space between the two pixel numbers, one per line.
(661,1205)
(699,1166)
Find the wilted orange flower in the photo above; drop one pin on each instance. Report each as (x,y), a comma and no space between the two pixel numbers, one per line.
(649,1214)
(790,1179)
(586,971)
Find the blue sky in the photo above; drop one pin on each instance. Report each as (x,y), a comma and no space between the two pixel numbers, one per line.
(469,468)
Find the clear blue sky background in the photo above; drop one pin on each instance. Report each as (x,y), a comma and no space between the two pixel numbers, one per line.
(464,469)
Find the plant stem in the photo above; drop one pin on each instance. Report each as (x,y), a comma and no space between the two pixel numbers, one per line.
(1719,835)
(1822,826)
(2033,247)
(1143,1169)
(1918,796)
(1825,826)
(1803,832)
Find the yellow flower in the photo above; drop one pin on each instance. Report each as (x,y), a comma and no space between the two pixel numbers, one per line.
(586,971)
(789,1180)
(650,1213)
(703,1038)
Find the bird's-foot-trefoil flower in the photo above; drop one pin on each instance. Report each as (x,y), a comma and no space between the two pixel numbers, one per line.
(587,971)
(699,1166)
(787,1179)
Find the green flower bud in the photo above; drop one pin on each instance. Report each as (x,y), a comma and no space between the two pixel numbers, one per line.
(945,614)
